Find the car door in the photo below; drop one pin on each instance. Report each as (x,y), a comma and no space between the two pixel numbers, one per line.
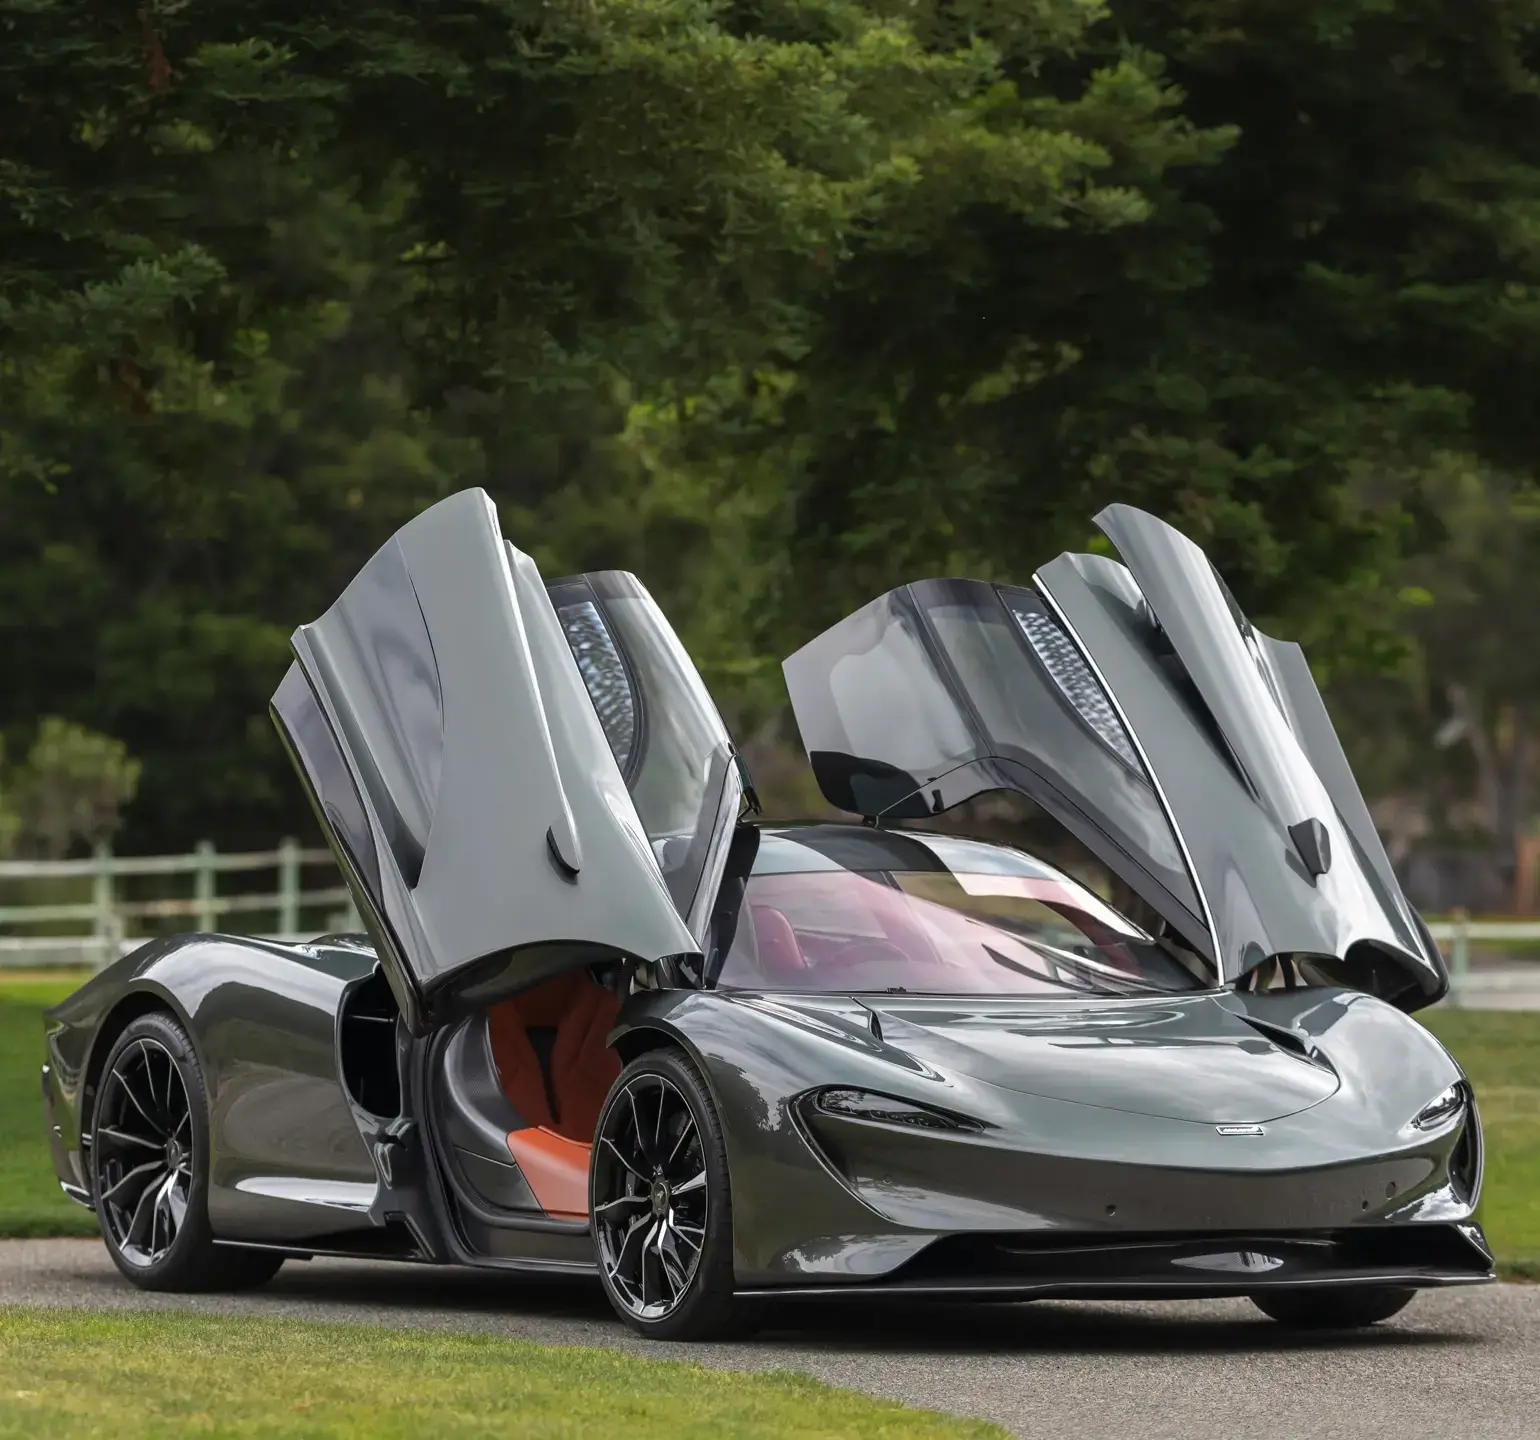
(946,689)
(463,745)
(1196,761)
(1234,727)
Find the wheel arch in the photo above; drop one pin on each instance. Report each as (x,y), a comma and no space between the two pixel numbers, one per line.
(632,1040)
(144,999)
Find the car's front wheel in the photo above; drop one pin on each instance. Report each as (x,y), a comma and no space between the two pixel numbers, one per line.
(662,1205)
(1348,1308)
(150,1167)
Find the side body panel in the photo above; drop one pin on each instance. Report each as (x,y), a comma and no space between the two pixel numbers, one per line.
(855,1200)
(288,1161)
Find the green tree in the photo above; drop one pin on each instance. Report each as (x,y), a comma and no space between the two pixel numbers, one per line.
(71,790)
(274,277)
(1328,293)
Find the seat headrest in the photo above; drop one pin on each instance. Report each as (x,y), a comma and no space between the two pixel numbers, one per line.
(779,952)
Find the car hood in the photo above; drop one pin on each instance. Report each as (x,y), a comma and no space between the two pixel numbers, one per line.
(1186,1058)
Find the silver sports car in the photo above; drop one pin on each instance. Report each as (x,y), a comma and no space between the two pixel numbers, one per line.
(605,1023)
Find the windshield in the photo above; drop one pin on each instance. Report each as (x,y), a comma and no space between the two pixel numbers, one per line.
(939,917)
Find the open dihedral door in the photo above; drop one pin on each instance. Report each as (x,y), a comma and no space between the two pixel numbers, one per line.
(946,689)
(1136,706)
(460,768)
(1236,732)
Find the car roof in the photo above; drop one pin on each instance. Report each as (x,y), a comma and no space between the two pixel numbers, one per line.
(830,845)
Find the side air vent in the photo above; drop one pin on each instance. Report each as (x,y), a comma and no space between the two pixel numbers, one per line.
(1285,1039)
(368,1047)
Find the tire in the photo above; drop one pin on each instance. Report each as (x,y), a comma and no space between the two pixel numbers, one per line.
(1349,1308)
(648,1209)
(149,1167)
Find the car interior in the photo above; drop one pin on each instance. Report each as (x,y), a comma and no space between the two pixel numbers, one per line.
(523,1081)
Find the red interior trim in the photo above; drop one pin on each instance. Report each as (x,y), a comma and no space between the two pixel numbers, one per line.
(556,1169)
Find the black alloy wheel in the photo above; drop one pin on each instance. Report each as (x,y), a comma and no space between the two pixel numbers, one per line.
(1349,1308)
(149,1167)
(661,1204)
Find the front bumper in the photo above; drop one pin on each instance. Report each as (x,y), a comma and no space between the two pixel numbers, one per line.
(1027,1266)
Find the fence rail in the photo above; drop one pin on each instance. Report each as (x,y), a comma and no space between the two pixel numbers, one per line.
(107,913)
(110,915)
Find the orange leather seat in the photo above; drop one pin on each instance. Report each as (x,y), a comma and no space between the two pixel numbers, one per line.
(571,1018)
(780,956)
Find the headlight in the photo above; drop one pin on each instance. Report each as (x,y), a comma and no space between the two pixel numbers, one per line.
(885,1110)
(1442,1108)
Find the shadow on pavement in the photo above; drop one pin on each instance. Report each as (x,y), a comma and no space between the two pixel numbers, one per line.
(1042,1327)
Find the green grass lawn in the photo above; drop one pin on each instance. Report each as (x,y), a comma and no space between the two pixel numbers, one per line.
(30,1199)
(1499,1049)
(69,1374)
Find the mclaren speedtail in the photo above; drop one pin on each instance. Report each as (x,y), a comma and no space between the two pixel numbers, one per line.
(606,1023)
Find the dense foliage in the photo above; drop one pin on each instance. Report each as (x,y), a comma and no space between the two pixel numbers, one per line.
(776,302)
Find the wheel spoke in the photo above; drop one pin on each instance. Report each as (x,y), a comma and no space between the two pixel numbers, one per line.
(162,1104)
(177,1199)
(636,1125)
(685,1133)
(149,1079)
(632,1231)
(619,1201)
(137,1103)
(669,1259)
(123,1137)
(144,1214)
(630,1168)
(695,1182)
(677,1232)
(166,1221)
(646,1245)
(144,1173)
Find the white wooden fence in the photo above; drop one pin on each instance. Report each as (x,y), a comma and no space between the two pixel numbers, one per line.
(110,924)
(112,929)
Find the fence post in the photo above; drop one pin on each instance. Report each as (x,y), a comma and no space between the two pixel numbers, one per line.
(103,927)
(1459,956)
(288,887)
(203,885)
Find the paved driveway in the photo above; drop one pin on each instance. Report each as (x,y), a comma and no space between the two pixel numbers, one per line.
(1458,1363)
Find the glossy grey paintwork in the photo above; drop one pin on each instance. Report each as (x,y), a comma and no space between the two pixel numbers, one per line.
(287,1158)
(1262,899)
(502,845)
(1267,708)
(1072,1144)
(1091,1102)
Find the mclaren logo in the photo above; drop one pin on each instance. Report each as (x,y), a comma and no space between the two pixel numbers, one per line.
(1240,1129)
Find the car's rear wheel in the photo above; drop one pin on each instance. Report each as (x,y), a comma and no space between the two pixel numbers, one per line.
(662,1205)
(1348,1308)
(150,1163)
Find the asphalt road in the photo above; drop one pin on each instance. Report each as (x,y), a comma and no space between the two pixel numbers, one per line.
(1460,1363)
